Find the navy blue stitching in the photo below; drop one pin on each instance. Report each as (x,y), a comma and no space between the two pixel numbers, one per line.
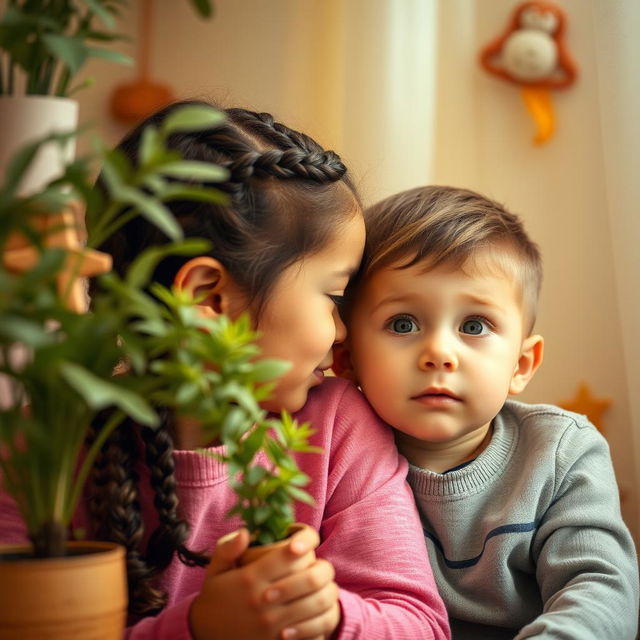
(522,527)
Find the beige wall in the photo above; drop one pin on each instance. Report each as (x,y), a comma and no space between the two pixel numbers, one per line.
(484,141)
(340,70)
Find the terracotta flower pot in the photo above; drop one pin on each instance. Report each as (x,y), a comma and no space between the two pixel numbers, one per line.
(253,553)
(81,596)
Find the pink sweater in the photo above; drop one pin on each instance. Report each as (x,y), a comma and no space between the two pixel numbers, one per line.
(364,511)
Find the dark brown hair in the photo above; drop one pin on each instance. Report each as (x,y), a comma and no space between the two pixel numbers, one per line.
(287,197)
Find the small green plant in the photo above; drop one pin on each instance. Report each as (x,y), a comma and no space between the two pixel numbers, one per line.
(49,41)
(174,357)
(258,449)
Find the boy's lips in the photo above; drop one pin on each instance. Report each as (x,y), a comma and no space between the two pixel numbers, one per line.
(435,396)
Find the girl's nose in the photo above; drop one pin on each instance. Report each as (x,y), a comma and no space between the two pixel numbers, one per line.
(438,352)
(341,329)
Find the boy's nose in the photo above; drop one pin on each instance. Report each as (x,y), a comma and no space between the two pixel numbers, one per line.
(438,353)
(341,329)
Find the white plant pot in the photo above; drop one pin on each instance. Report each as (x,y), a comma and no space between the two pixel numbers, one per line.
(24,119)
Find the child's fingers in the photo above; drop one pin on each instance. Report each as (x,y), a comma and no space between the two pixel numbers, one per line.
(323,620)
(300,584)
(296,556)
(304,540)
(227,551)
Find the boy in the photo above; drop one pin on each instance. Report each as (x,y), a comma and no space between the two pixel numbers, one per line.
(519,502)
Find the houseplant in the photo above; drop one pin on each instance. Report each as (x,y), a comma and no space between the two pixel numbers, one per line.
(168,346)
(44,44)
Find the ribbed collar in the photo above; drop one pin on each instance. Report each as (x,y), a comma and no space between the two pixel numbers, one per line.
(194,469)
(471,478)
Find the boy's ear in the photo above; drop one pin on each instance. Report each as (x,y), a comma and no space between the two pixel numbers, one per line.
(206,278)
(342,366)
(530,359)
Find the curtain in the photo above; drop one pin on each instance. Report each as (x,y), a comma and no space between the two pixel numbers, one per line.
(616,26)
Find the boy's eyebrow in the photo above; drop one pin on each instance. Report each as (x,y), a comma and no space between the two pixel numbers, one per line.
(485,301)
(391,299)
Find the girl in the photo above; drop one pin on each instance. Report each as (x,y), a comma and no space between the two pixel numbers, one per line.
(284,247)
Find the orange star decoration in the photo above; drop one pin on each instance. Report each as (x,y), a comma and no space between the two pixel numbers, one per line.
(586,403)
(60,230)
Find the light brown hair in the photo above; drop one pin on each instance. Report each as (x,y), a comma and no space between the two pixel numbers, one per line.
(438,225)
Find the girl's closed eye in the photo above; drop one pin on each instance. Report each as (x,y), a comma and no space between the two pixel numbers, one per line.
(338,300)
(402,324)
(476,326)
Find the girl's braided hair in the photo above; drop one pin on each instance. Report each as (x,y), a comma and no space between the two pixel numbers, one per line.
(287,197)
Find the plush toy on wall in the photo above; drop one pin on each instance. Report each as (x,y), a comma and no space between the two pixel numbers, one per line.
(532,54)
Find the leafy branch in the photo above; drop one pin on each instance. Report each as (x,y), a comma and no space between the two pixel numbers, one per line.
(206,369)
(49,41)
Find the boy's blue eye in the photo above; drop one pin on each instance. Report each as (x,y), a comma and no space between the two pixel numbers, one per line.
(336,299)
(473,327)
(402,324)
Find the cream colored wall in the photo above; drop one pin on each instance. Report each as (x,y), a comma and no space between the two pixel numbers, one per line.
(323,66)
(484,141)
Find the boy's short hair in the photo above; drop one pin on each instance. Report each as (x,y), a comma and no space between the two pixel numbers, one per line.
(438,225)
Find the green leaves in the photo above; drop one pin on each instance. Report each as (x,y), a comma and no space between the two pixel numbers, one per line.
(192,118)
(169,355)
(99,394)
(67,374)
(160,176)
(203,7)
(52,41)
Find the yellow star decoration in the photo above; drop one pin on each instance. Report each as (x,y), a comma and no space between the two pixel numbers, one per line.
(60,230)
(586,403)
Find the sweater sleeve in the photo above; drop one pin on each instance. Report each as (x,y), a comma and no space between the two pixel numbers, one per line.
(371,533)
(172,622)
(585,557)
(12,527)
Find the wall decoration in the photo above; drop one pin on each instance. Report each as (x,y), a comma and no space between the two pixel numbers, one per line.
(133,101)
(59,230)
(532,54)
(586,403)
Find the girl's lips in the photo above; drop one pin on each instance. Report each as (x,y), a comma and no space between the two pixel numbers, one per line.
(319,373)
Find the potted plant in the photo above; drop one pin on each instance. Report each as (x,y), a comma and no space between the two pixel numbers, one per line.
(43,46)
(175,358)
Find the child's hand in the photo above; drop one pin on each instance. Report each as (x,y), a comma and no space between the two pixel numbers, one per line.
(287,593)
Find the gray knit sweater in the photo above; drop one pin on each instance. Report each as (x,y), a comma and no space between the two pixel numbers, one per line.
(527,541)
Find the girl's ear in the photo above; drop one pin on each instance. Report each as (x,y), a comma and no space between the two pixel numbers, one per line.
(206,278)
(528,363)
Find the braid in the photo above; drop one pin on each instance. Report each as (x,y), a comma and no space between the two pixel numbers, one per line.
(295,155)
(321,167)
(115,511)
(172,532)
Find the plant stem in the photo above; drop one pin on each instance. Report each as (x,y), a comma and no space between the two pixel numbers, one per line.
(46,76)
(11,78)
(63,82)
(48,540)
(108,223)
(88,461)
